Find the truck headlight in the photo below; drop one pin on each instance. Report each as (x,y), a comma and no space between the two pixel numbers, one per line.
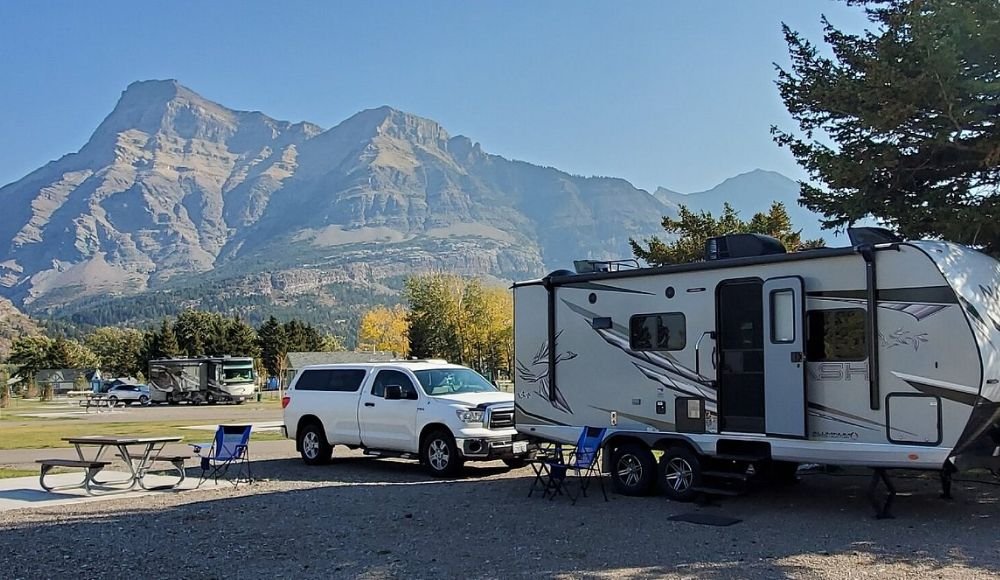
(469,416)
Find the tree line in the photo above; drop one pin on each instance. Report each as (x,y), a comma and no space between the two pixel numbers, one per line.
(465,321)
(126,352)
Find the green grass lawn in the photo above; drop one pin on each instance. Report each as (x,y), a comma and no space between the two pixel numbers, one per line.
(48,434)
(7,473)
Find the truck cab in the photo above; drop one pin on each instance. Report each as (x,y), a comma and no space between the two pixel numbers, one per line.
(439,413)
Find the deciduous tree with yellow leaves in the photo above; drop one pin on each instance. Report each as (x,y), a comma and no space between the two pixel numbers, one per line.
(385,329)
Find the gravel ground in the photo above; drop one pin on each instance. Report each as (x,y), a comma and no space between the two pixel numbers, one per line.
(385,519)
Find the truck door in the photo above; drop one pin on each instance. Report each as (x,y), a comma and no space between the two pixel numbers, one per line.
(784,360)
(390,423)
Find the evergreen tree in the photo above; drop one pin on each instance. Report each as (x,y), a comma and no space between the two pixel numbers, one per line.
(240,339)
(167,346)
(30,354)
(694,229)
(903,123)
(4,389)
(273,346)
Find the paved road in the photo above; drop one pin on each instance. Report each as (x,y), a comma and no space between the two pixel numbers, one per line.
(200,414)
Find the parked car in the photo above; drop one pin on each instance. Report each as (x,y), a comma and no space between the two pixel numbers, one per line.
(128,395)
(439,413)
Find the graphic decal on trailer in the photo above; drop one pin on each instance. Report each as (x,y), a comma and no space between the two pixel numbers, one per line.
(538,373)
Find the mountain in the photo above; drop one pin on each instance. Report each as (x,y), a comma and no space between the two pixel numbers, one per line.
(750,193)
(179,201)
(12,325)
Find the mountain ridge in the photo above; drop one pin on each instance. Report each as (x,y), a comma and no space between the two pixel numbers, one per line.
(173,189)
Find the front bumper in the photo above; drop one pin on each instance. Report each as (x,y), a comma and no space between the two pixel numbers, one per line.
(492,448)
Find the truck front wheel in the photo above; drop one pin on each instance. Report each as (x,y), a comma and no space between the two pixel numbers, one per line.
(439,454)
(313,445)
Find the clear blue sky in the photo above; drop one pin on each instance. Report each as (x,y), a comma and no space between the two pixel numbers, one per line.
(676,93)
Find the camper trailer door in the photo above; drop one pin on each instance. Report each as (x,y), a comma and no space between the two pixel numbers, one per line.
(784,358)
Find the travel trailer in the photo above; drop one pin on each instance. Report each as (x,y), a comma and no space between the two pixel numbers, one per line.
(885,354)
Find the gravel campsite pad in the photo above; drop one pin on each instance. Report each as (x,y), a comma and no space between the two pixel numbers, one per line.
(378,518)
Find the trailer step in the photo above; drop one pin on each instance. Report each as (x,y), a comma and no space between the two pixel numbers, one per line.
(726,475)
(717,491)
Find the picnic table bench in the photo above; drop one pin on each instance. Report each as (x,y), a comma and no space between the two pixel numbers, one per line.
(92,468)
(98,401)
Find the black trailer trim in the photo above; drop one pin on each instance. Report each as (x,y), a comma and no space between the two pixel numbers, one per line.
(551,317)
(871,327)
(923,295)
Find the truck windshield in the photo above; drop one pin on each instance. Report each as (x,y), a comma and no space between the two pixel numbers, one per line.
(439,382)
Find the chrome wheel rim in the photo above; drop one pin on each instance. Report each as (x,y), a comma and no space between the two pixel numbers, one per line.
(629,470)
(438,455)
(679,474)
(310,445)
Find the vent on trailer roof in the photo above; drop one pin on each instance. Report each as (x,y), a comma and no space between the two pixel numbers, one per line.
(741,246)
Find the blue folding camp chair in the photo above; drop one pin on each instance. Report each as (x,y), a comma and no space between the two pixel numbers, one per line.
(552,471)
(228,450)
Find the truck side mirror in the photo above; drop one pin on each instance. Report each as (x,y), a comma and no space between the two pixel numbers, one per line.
(393,392)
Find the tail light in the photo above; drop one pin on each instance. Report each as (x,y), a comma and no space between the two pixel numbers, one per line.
(285,400)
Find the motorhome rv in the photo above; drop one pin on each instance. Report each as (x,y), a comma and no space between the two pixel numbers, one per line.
(885,354)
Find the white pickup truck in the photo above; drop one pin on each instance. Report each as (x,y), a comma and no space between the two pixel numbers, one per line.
(440,413)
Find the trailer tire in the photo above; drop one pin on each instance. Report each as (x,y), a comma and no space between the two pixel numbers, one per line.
(439,454)
(679,474)
(315,449)
(633,469)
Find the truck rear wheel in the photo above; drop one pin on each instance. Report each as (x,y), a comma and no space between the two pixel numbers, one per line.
(313,445)
(439,454)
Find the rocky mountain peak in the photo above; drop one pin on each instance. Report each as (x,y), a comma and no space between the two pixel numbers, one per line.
(166,106)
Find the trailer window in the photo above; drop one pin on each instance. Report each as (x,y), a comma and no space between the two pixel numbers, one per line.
(336,380)
(665,331)
(836,335)
(782,316)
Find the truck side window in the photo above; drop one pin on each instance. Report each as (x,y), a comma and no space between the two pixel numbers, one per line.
(391,377)
(658,331)
(333,380)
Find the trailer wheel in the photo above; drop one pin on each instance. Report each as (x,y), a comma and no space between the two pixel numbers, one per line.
(680,474)
(633,469)
(439,454)
(315,448)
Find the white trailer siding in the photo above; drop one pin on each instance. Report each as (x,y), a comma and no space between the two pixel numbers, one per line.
(926,349)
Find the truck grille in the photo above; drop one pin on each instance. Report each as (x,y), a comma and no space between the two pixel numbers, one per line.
(502,419)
